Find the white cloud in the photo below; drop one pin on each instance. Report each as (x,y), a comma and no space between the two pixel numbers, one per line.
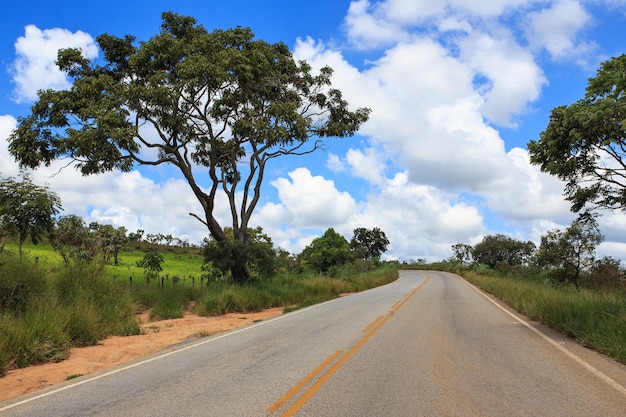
(526,193)
(312,201)
(420,221)
(368,164)
(485,8)
(335,164)
(367,30)
(513,77)
(35,68)
(408,12)
(8,166)
(556,28)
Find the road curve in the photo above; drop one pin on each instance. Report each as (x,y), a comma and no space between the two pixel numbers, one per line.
(428,344)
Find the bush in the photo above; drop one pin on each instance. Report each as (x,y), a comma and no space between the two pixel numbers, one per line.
(21,282)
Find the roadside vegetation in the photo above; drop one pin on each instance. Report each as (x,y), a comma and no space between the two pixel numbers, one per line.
(560,284)
(48,306)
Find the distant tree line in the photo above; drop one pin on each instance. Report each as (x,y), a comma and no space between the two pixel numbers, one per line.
(566,257)
(30,210)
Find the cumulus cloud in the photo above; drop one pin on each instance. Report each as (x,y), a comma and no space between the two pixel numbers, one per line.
(35,65)
(440,77)
(513,77)
(8,167)
(367,30)
(420,221)
(555,28)
(313,201)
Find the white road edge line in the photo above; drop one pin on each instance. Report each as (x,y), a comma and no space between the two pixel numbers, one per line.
(154,358)
(616,385)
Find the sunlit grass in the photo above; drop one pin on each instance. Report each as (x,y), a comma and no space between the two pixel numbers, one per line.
(596,319)
(59,307)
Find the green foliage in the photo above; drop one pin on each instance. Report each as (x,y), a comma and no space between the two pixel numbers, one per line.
(596,319)
(462,252)
(258,104)
(584,143)
(79,304)
(21,284)
(257,253)
(606,273)
(75,307)
(568,254)
(290,291)
(369,244)
(26,210)
(501,249)
(327,251)
(151,264)
(72,239)
(171,303)
(108,241)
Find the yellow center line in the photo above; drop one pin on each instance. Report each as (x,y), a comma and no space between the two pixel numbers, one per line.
(369,326)
(276,406)
(299,403)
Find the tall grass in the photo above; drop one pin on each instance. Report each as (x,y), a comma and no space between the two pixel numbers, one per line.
(596,319)
(290,290)
(74,307)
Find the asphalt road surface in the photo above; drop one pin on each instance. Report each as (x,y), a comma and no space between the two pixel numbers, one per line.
(428,344)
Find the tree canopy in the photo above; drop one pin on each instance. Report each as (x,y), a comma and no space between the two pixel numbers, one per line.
(330,249)
(496,249)
(567,254)
(218,103)
(26,210)
(369,243)
(585,142)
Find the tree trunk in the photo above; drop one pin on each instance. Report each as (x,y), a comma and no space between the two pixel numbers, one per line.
(239,272)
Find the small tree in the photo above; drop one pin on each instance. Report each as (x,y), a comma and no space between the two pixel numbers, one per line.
(259,254)
(26,209)
(568,254)
(329,250)
(607,273)
(462,252)
(109,241)
(369,244)
(72,239)
(151,263)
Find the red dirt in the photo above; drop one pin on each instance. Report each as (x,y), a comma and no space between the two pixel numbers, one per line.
(157,336)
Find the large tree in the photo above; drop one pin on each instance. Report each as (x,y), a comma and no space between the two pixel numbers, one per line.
(585,142)
(219,103)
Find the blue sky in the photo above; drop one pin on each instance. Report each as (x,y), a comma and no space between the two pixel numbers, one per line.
(457,88)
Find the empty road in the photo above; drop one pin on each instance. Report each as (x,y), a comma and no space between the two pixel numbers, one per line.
(428,344)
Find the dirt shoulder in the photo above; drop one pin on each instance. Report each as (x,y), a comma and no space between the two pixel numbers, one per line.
(113,351)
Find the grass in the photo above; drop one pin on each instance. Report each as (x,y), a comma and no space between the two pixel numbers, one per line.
(47,308)
(596,319)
